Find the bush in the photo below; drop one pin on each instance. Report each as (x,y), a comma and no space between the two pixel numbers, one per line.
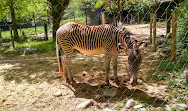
(182,31)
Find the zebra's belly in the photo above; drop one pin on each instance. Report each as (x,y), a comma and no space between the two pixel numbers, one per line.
(94,51)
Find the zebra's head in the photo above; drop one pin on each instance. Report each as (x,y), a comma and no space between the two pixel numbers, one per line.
(127,41)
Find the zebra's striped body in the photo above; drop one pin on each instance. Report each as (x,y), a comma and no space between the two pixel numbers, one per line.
(90,40)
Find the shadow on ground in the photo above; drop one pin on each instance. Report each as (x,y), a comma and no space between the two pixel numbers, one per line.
(88,91)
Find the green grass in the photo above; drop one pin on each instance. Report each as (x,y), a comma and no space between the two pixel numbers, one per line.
(179,64)
(42,46)
(79,20)
(27,31)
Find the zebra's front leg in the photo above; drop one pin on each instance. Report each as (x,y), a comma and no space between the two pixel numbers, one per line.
(107,67)
(114,63)
(66,68)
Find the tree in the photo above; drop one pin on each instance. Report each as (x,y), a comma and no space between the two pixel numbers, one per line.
(9,5)
(57,10)
(17,11)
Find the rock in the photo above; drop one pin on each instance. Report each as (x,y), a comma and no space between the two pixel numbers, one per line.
(108,109)
(144,78)
(84,73)
(30,50)
(126,74)
(94,68)
(6,46)
(97,97)
(161,40)
(85,104)
(143,109)
(185,74)
(56,76)
(111,92)
(129,103)
(58,93)
(139,81)
(138,106)
(32,76)
(176,106)
(180,106)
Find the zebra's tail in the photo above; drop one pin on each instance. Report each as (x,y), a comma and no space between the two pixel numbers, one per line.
(58,53)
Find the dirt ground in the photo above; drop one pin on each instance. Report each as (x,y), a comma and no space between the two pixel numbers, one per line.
(30,84)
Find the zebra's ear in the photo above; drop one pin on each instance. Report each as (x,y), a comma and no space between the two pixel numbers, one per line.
(142,45)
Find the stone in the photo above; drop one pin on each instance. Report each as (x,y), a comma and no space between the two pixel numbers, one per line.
(139,81)
(94,68)
(97,97)
(185,74)
(126,74)
(144,78)
(84,73)
(108,109)
(6,46)
(143,109)
(30,51)
(138,106)
(57,76)
(180,106)
(85,104)
(161,41)
(111,92)
(32,76)
(58,93)
(129,103)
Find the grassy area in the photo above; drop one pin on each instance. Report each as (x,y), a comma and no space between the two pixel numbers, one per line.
(42,46)
(27,31)
(79,20)
(176,82)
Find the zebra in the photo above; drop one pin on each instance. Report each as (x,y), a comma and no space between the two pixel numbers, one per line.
(88,39)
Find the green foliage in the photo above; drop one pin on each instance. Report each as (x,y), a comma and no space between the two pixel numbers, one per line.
(179,64)
(160,76)
(182,34)
(43,46)
(79,20)
(24,9)
(27,31)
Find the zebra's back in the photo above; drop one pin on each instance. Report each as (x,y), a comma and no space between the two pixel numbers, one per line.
(87,39)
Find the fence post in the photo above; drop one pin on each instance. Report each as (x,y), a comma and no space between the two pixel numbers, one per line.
(102,18)
(45,31)
(0,33)
(12,37)
(174,30)
(127,18)
(23,35)
(154,32)
(151,21)
(131,18)
(138,18)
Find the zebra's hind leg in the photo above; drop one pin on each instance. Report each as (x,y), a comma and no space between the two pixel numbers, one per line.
(107,66)
(114,63)
(66,68)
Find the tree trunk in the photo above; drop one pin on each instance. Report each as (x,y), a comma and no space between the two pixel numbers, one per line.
(12,38)
(46,31)
(0,33)
(57,7)
(14,24)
